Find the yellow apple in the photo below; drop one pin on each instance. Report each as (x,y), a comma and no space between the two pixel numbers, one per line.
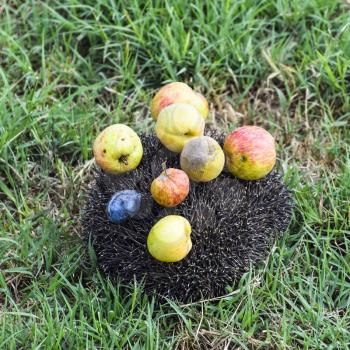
(202,159)
(177,124)
(178,93)
(117,149)
(169,239)
(201,104)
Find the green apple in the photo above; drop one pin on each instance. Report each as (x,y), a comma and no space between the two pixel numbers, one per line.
(170,239)
(177,124)
(117,149)
(202,159)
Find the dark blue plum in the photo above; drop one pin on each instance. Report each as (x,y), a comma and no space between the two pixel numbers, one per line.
(123,205)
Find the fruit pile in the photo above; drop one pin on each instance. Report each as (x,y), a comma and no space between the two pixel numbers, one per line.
(180,113)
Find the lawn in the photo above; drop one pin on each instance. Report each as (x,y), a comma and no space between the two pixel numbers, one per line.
(69,68)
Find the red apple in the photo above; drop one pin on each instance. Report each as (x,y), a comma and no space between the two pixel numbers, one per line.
(170,188)
(178,92)
(171,93)
(250,152)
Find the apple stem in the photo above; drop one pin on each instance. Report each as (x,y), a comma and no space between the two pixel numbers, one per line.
(164,168)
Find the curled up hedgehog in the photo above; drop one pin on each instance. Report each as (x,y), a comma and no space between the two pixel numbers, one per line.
(234,223)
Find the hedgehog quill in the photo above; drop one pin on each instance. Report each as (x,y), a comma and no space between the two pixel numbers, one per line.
(234,223)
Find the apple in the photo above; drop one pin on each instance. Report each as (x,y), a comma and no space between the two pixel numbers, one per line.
(250,152)
(123,205)
(178,92)
(202,159)
(117,149)
(201,104)
(177,124)
(169,239)
(170,188)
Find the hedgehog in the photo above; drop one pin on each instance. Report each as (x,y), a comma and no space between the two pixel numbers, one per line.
(234,225)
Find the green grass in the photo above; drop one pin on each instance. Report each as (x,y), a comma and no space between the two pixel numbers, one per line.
(69,68)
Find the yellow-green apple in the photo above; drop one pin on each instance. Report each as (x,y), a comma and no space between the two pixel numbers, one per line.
(178,92)
(117,149)
(250,152)
(170,239)
(170,188)
(202,159)
(177,124)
